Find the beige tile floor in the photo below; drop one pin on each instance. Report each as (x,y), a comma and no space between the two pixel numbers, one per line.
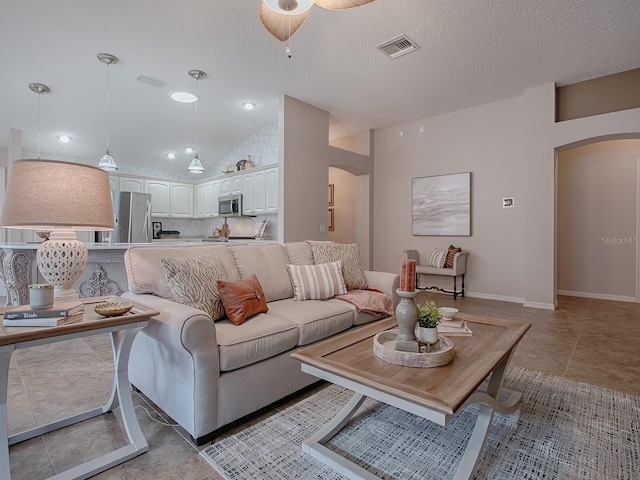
(592,341)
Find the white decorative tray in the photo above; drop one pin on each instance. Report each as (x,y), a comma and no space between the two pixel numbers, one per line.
(112,309)
(384,347)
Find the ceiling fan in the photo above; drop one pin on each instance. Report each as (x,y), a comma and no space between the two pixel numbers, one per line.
(283,17)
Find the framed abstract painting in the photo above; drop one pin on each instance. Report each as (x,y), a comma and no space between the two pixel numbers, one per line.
(442,205)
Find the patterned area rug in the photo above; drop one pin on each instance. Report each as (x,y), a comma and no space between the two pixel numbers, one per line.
(562,430)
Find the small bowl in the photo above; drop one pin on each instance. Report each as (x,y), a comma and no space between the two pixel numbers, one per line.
(112,309)
(448,313)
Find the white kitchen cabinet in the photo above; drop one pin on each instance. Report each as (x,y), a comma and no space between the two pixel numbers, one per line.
(259,192)
(208,194)
(236,184)
(181,199)
(160,191)
(271,189)
(200,199)
(114,183)
(215,194)
(248,203)
(225,186)
(131,184)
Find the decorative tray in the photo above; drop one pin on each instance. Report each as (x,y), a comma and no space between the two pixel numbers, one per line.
(384,347)
(112,309)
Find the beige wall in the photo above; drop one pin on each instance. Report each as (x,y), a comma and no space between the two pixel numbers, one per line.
(510,148)
(344,208)
(597,219)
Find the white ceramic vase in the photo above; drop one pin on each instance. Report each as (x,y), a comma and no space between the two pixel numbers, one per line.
(427,335)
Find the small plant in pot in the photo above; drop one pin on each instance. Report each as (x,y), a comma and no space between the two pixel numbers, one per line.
(428,319)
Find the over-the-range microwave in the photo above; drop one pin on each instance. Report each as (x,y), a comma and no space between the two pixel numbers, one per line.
(230,206)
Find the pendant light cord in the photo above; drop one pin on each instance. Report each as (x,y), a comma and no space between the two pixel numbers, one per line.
(197,102)
(107,120)
(289,37)
(39,95)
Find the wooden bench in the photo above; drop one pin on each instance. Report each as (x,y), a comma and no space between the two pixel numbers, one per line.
(459,269)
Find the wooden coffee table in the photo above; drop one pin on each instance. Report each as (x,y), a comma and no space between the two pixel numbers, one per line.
(436,394)
(122,330)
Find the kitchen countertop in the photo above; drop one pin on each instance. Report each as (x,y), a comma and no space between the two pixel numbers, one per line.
(156,243)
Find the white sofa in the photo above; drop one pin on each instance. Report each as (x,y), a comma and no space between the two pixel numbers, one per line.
(206,374)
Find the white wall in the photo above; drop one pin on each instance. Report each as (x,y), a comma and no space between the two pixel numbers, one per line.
(486,141)
(510,147)
(597,219)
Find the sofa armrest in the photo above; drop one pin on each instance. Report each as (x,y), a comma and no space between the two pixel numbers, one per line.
(460,262)
(385,282)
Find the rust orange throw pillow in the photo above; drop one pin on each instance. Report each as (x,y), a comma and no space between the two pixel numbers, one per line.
(242,299)
(451,252)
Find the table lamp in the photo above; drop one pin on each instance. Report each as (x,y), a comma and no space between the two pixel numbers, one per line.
(63,198)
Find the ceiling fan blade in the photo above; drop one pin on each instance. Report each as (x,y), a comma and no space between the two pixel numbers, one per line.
(341,4)
(281,26)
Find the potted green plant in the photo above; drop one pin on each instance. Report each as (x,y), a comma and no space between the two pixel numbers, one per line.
(428,319)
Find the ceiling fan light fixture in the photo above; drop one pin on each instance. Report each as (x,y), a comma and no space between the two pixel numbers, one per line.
(289,7)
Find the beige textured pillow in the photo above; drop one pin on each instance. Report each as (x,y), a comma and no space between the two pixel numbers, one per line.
(317,282)
(193,282)
(349,253)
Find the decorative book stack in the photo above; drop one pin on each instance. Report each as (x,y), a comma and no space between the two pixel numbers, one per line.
(456,326)
(59,314)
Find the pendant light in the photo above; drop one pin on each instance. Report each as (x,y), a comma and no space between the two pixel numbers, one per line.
(39,88)
(107,162)
(196,165)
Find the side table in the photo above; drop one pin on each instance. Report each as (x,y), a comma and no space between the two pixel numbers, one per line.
(122,331)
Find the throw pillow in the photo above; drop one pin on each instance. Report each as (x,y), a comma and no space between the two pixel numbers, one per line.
(317,282)
(193,282)
(242,299)
(437,258)
(451,252)
(349,253)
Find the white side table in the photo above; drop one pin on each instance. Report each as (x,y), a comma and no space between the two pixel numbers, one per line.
(122,330)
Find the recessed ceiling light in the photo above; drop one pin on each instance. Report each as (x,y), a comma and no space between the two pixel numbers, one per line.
(183,97)
(189,149)
(171,156)
(249,105)
(64,138)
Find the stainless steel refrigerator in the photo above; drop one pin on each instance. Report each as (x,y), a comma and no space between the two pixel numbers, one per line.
(133,217)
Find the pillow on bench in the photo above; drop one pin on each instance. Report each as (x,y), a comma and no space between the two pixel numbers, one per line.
(437,258)
(451,252)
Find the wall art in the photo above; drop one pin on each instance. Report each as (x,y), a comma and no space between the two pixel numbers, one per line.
(442,205)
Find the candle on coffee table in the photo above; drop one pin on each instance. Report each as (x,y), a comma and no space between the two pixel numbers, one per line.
(408,275)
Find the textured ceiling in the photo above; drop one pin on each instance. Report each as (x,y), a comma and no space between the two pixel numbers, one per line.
(471,53)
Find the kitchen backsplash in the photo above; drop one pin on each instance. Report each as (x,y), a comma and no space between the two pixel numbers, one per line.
(203,227)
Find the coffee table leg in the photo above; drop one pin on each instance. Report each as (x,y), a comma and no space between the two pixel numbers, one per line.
(5,357)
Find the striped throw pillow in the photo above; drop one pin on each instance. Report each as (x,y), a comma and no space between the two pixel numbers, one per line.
(437,258)
(317,282)
(193,282)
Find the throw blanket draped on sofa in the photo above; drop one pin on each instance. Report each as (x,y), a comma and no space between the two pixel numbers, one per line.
(369,301)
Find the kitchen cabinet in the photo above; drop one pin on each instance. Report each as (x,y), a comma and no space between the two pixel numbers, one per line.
(271,189)
(254,192)
(236,184)
(208,194)
(225,186)
(170,199)
(248,196)
(131,184)
(114,183)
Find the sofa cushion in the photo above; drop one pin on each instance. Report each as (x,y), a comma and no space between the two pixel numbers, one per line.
(316,319)
(193,282)
(269,264)
(451,252)
(317,282)
(349,253)
(242,298)
(437,258)
(144,270)
(259,338)
(299,253)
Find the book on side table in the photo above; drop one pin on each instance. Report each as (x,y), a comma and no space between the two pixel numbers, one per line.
(60,314)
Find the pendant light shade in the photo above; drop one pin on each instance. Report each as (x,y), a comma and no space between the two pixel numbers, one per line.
(196,165)
(107,162)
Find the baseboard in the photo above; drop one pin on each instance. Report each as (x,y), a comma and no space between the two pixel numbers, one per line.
(540,305)
(489,296)
(597,296)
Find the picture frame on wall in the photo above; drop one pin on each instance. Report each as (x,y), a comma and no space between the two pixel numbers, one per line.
(331,194)
(441,205)
(331,220)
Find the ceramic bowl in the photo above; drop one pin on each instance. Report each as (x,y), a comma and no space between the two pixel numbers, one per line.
(112,309)
(448,313)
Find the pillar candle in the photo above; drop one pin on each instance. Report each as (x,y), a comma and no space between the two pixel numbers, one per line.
(408,275)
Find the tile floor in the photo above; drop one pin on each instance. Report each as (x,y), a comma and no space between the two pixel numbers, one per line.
(592,341)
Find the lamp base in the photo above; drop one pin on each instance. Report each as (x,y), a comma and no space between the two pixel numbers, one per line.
(62,260)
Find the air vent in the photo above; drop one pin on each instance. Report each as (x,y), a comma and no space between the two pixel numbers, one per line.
(151,81)
(398,46)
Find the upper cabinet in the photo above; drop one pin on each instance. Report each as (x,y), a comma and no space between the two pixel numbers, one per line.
(131,184)
(170,199)
(114,183)
(271,189)
(208,194)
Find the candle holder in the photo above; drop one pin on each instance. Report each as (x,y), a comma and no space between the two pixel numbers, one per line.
(407,318)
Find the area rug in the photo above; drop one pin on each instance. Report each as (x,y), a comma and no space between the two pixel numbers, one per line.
(562,430)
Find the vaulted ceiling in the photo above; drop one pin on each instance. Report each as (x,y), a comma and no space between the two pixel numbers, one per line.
(470,53)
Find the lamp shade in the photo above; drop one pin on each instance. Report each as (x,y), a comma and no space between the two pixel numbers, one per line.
(48,194)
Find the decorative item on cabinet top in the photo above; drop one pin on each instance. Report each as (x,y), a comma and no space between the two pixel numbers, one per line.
(245,164)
